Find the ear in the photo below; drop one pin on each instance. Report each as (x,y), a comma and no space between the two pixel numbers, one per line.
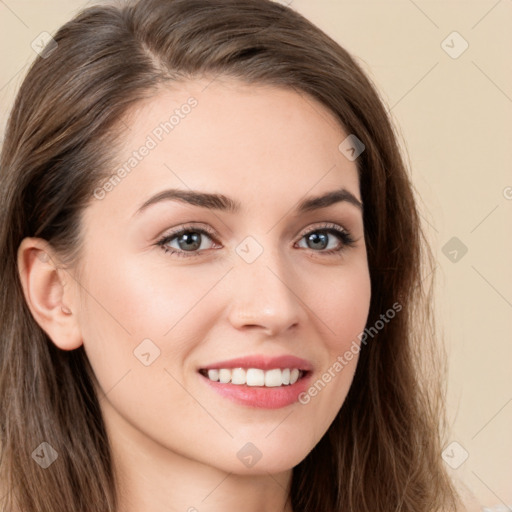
(50,292)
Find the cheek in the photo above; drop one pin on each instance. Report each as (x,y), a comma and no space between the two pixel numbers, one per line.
(144,300)
(136,335)
(342,306)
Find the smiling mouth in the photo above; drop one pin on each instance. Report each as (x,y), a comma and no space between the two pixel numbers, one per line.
(275,377)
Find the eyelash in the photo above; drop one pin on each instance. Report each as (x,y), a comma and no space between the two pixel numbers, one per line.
(343,234)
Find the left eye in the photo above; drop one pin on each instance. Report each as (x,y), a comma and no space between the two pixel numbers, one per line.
(319,239)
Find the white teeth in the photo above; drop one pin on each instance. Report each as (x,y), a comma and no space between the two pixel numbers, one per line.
(224,376)
(273,378)
(255,376)
(213,375)
(238,376)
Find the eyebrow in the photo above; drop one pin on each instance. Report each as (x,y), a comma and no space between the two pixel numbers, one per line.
(223,203)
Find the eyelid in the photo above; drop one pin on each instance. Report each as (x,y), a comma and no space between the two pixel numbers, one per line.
(188,226)
(323,225)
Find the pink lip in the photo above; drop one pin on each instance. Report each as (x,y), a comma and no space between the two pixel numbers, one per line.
(260,396)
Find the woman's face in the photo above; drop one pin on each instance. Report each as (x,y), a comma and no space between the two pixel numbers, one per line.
(265,287)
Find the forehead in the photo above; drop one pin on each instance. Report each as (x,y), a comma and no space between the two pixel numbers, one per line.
(252,142)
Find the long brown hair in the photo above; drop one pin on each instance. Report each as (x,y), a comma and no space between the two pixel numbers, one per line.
(383,450)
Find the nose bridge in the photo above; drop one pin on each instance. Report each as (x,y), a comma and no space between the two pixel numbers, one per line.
(262,293)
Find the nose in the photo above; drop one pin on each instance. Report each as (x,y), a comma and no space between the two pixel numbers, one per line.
(264,294)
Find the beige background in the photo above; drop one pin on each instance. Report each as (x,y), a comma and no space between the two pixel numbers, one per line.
(454,115)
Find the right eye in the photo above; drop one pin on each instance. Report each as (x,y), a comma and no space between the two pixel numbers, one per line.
(188,240)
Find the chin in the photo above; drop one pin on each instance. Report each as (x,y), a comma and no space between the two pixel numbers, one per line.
(265,455)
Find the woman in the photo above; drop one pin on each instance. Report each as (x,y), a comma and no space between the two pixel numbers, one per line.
(212,293)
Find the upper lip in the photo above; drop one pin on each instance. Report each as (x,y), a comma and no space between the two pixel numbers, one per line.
(262,362)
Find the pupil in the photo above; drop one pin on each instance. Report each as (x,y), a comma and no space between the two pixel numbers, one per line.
(190,238)
(318,238)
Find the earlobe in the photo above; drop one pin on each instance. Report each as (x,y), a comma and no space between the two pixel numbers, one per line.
(48,292)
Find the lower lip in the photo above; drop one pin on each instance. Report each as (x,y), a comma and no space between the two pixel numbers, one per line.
(259,396)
